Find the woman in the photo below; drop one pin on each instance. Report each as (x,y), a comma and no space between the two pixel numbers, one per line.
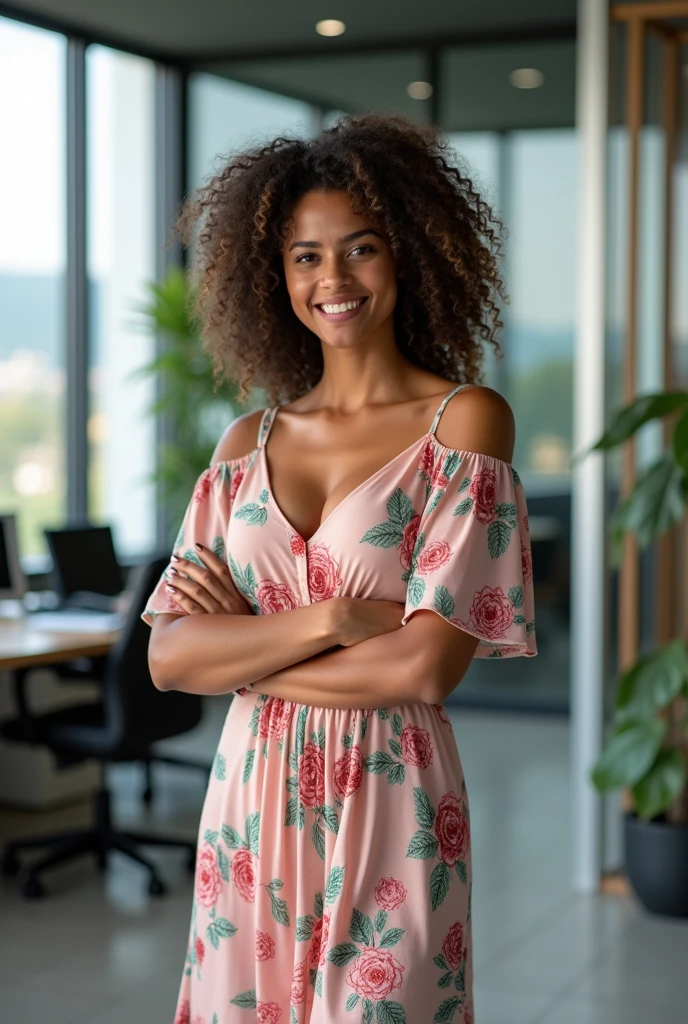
(346,554)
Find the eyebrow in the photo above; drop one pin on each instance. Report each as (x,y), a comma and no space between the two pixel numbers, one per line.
(345,238)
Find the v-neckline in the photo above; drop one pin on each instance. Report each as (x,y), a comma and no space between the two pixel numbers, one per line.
(364,483)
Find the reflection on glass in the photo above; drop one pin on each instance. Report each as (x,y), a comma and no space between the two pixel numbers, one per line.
(32,271)
(121,262)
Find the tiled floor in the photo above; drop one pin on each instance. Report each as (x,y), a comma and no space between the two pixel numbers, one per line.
(100,951)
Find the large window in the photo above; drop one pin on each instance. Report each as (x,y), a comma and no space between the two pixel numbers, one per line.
(32,269)
(121,263)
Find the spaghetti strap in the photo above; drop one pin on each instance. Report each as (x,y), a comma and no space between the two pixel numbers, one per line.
(266,421)
(446,398)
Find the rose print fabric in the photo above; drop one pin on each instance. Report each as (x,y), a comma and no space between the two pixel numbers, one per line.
(333,877)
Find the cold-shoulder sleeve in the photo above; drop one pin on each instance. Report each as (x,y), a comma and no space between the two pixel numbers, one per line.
(205,520)
(472,559)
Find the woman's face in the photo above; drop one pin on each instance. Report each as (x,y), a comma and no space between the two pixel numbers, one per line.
(334,260)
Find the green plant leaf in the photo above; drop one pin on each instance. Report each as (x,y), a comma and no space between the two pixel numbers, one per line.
(629,752)
(663,784)
(656,503)
(652,682)
(680,442)
(631,417)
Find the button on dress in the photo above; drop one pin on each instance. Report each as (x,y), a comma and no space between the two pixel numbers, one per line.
(333,872)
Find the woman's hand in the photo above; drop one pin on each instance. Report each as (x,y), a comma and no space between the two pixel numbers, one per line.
(358,618)
(209,589)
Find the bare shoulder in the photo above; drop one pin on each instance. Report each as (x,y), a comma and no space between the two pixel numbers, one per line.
(479,419)
(239,438)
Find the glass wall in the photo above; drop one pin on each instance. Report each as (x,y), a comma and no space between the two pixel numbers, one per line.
(225,116)
(121,263)
(32,272)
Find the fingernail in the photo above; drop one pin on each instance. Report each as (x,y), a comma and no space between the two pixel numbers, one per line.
(199,546)
(173,571)
(174,558)
(173,589)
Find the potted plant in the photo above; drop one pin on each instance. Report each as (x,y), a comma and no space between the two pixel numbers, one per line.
(188,396)
(647,748)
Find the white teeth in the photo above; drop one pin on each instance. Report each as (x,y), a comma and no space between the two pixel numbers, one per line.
(340,307)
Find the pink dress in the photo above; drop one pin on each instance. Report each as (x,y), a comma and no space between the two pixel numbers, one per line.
(333,877)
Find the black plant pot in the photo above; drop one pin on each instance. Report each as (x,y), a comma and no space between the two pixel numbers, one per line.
(657,864)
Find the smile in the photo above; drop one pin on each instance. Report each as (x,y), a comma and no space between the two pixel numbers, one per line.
(335,311)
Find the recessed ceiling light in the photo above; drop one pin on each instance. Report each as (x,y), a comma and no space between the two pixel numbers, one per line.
(419,90)
(330,27)
(526,78)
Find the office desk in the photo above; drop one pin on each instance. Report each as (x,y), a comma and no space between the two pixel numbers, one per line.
(22,646)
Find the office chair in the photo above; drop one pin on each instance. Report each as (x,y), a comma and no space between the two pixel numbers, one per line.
(131,716)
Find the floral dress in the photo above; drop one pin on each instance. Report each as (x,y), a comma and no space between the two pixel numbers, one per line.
(333,876)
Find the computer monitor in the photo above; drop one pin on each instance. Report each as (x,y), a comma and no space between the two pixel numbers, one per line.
(84,560)
(12,579)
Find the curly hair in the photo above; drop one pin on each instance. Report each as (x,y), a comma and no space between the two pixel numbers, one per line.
(445,239)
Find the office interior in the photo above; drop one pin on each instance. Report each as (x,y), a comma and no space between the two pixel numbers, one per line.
(562,115)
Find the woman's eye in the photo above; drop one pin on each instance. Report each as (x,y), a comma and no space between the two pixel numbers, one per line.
(300,258)
(364,248)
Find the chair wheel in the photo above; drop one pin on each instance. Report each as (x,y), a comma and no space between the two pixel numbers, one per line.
(9,865)
(156,887)
(191,863)
(32,889)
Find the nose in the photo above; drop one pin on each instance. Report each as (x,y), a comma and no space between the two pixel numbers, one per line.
(334,271)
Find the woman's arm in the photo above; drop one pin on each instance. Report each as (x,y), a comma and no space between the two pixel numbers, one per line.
(214,654)
(420,663)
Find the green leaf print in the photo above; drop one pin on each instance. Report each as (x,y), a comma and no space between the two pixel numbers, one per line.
(191,556)
(368,1011)
(361,928)
(301,730)
(400,508)
(378,762)
(464,508)
(445,1012)
(395,747)
(318,983)
(292,808)
(465,483)
(439,884)
(245,581)
(441,962)
(507,510)
(304,927)
(390,1012)
(446,980)
(218,547)
(219,928)
(382,714)
(397,724)
(391,937)
(396,774)
(380,921)
(219,766)
(232,838)
(461,871)
(264,495)
(425,813)
(343,953)
(247,1000)
(223,863)
(498,537)
(515,595)
(211,837)
(253,831)
(415,590)
(384,535)
(292,1016)
(351,1001)
(333,887)
(253,513)
(516,477)
(318,838)
(280,911)
(248,765)
(443,601)
(215,1020)
(329,816)
(422,846)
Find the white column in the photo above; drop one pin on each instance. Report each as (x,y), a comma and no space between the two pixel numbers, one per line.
(588,603)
